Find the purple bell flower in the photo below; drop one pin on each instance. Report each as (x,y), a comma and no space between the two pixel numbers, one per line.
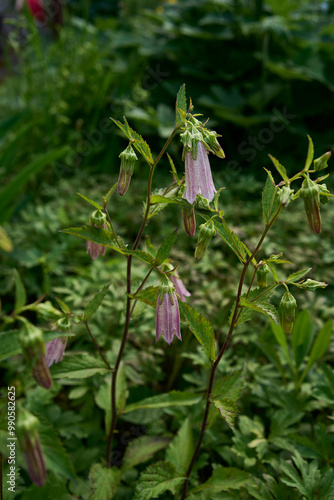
(54,350)
(94,248)
(180,289)
(168,315)
(198,175)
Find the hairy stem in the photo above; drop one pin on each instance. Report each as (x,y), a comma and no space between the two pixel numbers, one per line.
(236,314)
(129,310)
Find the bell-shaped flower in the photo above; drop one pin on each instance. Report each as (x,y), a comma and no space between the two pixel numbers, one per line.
(97,219)
(180,289)
(31,340)
(198,175)
(27,433)
(168,315)
(54,350)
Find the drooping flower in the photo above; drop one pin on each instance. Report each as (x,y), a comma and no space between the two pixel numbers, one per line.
(168,315)
(27,434)
(206,233)
(288,304)
(98,219)
(54,350)
(198,175)
(31,339)
(189,220)
(180,289)
(128,159)
(311,195)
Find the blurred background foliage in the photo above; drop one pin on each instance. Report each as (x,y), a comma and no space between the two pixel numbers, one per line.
(263,71)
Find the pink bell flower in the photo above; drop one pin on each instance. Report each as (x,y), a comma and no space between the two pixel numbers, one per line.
(198,175)
(94,248)
(54,350)
(180,289)
(168,315)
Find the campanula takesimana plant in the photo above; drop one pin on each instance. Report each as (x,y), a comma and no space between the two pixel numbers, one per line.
(196,195)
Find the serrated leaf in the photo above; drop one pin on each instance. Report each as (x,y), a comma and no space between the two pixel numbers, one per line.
(149,296)
(201,328)
(165,248)
(224,479)
(104,482)
(310,154)
(79,366)
(227,408)
(156,479)
(141,450)
(141,255)
(92,202)
(231,239)
(230,386)
(95,303)
(270,199)
(9,344)
(181,106)
(20,292)
(292,278)
(156,198)
(94,234)
(280,169)
(262,307)
(181,449)
(136,140)
(173,398)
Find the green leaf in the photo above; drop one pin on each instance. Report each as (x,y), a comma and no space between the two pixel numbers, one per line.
(311,285)
(104,482)
(270,199)
(9,344)
(20,292)
(165,248)
(79,366)
(136,140)
(173,398)
(10,192)
(141,255)
(56,457)
(292,278)
(230,386)
(320,346)
(280,169)
(95,303)
(231,239)
(224,479)
(262,307)
(156,198)
(201,328)
(181,449)
(149,296)
(310,154)
(156,479)
(181,106)
(92,202)
(63,306)
(141,450)
(301,337)
(280,337)
(227,408)
(94,234)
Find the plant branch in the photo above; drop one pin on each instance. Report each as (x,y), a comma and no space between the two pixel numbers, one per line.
(97,346)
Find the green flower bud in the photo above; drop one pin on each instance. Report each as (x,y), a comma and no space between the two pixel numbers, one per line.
(288,305)
(27,434)
(310,194)
(261,275)
(189,220)
(186,139)
(98,218)
(128,159)
(210,139)
(285,195)
(321,162)
(206,232)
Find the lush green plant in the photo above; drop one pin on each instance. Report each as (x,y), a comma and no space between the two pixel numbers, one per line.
(161,389)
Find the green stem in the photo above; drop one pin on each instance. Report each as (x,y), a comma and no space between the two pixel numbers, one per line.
(129,310)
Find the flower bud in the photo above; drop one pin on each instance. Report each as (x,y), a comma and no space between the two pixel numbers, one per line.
(288,305)
(98,218)
(285,195)
(31,339)
(28,438)
(206,232)
(128,159)
(261,275)
(321,162)
(189,220)
(310,194)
